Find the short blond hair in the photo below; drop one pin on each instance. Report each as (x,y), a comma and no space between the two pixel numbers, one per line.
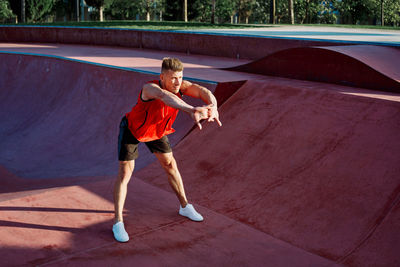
(173,64)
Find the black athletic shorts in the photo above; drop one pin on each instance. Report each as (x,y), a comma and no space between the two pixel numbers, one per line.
(128,144)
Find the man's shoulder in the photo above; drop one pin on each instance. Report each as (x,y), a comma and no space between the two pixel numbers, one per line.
(157,82)
(185,85)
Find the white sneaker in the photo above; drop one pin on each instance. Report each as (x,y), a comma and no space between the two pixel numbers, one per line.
(191,213)
(119,232)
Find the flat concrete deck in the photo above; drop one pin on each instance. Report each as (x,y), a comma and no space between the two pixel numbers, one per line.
(335,34)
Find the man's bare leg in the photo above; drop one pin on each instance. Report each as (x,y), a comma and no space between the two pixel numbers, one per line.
(168,162)
(121,186)
(120,190)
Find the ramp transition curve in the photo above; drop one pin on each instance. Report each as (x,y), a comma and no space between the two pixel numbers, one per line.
(364,66)
(316,168)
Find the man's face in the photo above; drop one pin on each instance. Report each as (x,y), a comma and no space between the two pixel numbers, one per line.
(172,80)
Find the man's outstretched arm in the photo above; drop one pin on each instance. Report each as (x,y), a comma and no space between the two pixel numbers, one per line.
(153,91)
(198,91)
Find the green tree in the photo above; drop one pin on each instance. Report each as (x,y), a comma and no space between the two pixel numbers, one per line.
(174,11)
(149,8)
(291,11)
(306,11)
(121,9)
(257,11)
(129,9)
(261,12)
(369,11)
(40,10)
(200,10)
(245,9)
(65,9)
(392,12)
(99,5)
(225,10)
(5,11)
(359,11)
(328,12)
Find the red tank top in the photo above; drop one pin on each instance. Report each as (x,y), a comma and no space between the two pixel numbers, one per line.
(152,119)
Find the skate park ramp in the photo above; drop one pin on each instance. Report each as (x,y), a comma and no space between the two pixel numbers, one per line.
(34,109)
(364,66)
(315,168)
(301,173)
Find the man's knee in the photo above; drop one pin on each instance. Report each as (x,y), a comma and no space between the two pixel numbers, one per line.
(167,161)
(169,164)
(125,170)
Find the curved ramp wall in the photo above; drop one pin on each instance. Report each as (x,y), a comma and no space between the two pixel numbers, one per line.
(316,168)
(202,44)
(60,117)
(371,67)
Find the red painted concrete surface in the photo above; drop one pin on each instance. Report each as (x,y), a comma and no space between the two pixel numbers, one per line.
(315,168)
(301,173)
(199,44)
(139,59)
(364,66)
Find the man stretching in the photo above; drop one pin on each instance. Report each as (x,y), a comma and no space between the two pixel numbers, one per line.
(150,121)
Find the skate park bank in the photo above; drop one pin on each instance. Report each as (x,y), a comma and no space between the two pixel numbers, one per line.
(304,171)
